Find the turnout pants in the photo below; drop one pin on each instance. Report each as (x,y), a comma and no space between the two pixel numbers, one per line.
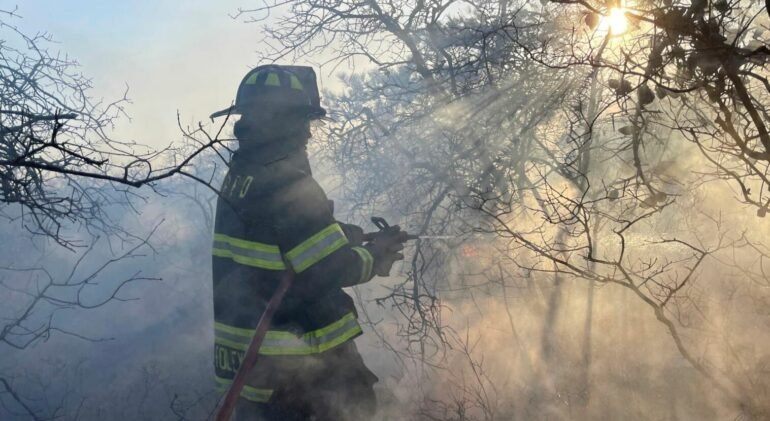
(331,386)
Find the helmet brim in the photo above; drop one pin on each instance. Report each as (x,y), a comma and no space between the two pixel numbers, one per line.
(227,111)
(311,111)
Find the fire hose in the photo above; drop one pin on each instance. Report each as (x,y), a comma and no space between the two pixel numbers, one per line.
(250,358)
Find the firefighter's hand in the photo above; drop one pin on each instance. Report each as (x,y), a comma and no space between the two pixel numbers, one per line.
(386,248)
(354,233)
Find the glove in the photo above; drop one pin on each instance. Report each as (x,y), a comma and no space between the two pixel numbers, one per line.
(354,233)
(385,249)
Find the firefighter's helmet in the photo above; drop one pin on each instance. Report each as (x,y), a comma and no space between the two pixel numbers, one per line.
(275,87)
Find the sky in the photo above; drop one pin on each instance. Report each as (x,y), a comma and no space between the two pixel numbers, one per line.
(186,56)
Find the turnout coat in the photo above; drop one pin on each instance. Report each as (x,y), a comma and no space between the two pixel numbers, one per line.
(271,215)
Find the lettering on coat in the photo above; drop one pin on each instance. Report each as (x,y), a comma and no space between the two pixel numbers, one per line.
(228,359)
(238,184)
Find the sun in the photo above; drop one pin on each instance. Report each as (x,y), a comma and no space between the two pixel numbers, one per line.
(616,21)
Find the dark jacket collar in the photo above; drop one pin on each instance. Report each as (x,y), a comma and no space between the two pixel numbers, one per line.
(261,151)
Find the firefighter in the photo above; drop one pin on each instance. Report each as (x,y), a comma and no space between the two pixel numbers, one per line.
(271,216)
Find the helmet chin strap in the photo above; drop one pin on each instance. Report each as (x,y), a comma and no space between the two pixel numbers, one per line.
(269,131)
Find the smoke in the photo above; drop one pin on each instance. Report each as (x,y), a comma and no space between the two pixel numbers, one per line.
(572,291)
(558,300)
(483,355)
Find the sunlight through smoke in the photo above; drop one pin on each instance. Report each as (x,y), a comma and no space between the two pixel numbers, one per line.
(616,22)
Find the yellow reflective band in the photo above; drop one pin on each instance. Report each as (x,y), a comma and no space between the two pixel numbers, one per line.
(272,80)
(250,253)
(262,264)
(329,328)
(316,349)
(286,343)
(233,330)
(295,83)
(252,245)
(256,395)
(240,346)
(367,262)
(315,248)
(250,393)
(248,333)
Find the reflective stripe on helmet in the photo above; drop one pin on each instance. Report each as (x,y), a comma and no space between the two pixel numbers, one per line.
(272,80)
(295,83)
(252,80)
